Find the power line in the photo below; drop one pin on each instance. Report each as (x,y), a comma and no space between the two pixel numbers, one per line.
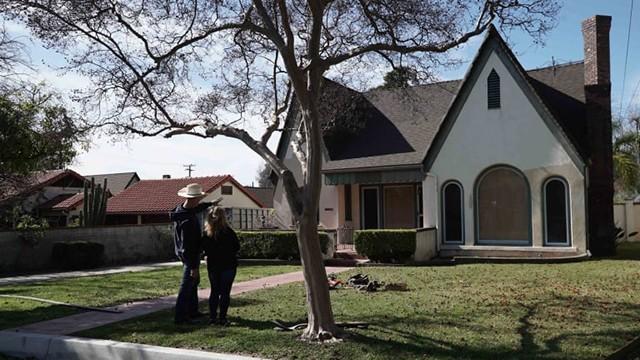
(626,59)
(189,168)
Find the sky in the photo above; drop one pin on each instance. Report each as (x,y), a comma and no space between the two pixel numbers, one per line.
(153,157)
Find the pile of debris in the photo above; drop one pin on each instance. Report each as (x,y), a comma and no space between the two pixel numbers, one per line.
(361,282)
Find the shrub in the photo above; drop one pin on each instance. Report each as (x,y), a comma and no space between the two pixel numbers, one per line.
(274,244)
(77,255)
(390,246)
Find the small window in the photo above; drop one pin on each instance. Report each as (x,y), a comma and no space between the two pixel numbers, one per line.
(227,190)
(493,90)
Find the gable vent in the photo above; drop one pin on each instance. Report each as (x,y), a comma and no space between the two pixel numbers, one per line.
(493,90)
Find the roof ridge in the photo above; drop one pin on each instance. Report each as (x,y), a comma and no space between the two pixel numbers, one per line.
(118,173)
(568,63)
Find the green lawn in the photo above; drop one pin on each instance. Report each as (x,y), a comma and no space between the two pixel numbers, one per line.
(581,310)
(101,291)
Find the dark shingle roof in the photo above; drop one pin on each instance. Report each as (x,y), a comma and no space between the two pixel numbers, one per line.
(417,113)
(264,194)
(116,182)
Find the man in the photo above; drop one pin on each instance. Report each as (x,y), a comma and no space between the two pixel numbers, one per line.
(187,243)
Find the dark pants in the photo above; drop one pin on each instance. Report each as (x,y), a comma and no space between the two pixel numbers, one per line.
(187,302)
(221,282)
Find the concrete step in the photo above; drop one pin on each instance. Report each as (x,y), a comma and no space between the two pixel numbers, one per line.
(345,262)
(509,253)
(348,254)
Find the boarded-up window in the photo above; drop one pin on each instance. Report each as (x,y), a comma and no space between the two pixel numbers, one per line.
(399,207)
(493,90)
(503,214)
(452,213)
(556,211)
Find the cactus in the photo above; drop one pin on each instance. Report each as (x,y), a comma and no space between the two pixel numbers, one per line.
(94,205)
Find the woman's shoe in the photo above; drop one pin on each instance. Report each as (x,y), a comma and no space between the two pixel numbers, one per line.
(213,321)
(224,322)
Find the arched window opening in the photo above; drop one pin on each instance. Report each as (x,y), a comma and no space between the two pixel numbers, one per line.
(556,212)
(452,213)
(503,215)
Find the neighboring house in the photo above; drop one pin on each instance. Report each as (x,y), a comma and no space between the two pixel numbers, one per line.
(40,191)
(264,194)
(149,201)
(504,161)
(116,182)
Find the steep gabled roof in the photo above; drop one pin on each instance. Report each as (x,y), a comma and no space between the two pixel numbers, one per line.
(548,110)
(161,196)
(116,182)
(418,113)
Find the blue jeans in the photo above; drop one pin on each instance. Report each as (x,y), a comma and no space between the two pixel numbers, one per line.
(221,282)
(187,302)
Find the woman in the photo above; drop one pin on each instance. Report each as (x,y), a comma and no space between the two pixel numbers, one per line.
(221,247)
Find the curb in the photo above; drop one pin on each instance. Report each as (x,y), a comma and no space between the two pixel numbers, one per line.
(29,345)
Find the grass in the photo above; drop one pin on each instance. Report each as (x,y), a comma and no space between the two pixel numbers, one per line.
(581,310)
(101,291)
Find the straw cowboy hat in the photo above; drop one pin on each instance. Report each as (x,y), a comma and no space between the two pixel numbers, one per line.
(191,191)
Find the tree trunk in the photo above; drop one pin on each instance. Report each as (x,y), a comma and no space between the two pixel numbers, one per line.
(321,325)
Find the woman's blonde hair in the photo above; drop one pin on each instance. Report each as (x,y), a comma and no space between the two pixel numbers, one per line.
(216,220)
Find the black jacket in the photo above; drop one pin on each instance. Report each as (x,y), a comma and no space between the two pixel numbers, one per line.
(222,249)
(187,238)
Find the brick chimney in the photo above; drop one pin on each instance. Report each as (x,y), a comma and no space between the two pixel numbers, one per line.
(597,90)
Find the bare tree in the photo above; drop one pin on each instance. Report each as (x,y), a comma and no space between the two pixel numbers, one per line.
(205,67)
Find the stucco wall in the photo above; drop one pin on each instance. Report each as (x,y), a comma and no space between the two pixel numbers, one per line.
(123,244)
(515,135)
(236,199)
(329,197)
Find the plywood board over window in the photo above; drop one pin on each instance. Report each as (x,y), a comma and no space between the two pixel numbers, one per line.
(399,207)
(503,207)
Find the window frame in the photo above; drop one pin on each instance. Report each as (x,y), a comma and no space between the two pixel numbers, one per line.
(223,187)
(443,210)
(567,199)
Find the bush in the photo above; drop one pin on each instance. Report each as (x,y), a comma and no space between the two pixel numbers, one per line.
(274,244)
(77,255)
(390,246)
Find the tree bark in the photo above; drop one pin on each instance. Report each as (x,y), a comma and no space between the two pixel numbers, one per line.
(320,324)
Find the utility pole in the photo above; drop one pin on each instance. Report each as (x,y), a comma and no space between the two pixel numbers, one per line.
(189,168)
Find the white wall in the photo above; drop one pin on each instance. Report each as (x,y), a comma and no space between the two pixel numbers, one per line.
(515,135)
(236,199)
(329,197)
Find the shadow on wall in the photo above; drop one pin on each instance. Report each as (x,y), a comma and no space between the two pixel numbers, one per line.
(122,245)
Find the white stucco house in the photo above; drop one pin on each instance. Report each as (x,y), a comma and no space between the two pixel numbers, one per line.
(504,161)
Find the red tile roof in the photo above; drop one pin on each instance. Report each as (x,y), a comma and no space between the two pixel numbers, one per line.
(69,203)
(161,196)
(37,180)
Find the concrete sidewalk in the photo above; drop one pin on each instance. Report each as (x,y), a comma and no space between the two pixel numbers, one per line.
(88,320)
(25,279)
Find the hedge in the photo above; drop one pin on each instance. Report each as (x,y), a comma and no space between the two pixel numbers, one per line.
(77,255)
(274,244)
(389,246)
